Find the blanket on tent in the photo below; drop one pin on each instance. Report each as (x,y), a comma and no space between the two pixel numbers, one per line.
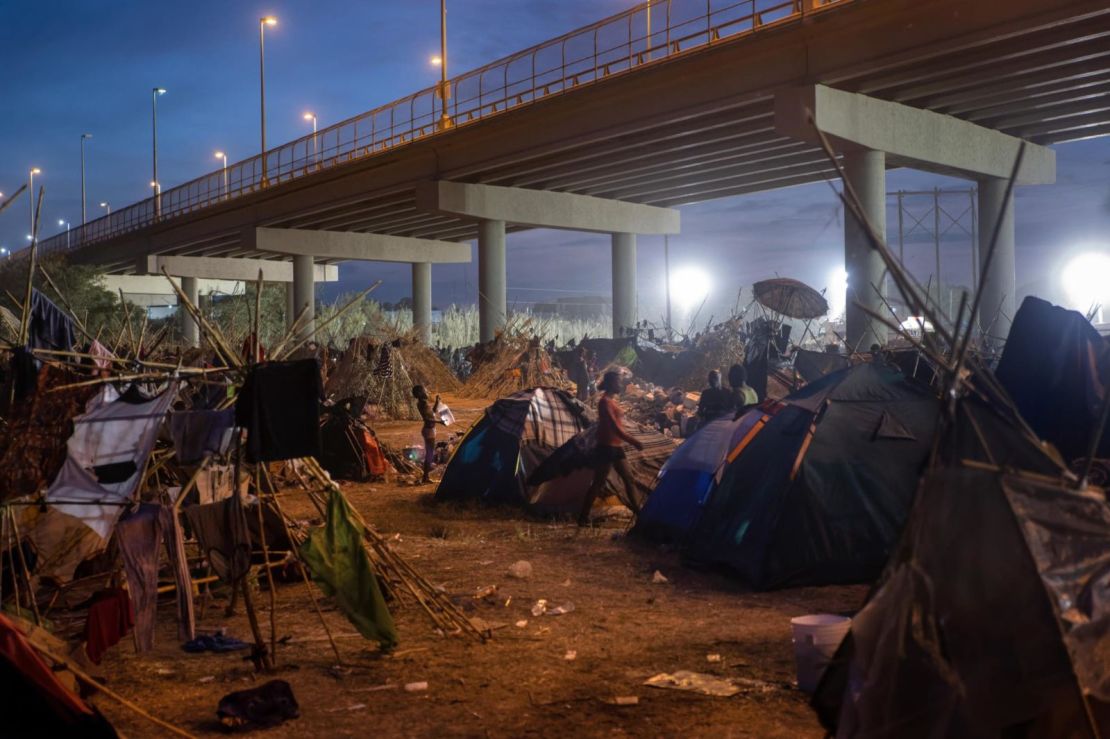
(106,456)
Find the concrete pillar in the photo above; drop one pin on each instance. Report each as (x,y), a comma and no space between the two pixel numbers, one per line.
(290,306)
(624,282)
(422,300)
(866,171)
(493,304)
(996,309)
(304,292)
(190,331)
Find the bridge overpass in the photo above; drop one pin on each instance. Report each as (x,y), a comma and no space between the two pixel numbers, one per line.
(610,126)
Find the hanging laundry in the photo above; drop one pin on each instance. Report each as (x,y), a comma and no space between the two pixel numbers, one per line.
(50,327)
(199,433)
(175,546)
(279,405)
(337,558)
(139,536)
(106,455)
(109,620)
(222,534)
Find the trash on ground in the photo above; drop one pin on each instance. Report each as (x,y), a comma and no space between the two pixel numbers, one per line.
(695,682)
(712,658)
(267,705)
(571,655)
(659,577)
(214,643)
(522,623)
(521,570)
(416,687)
(622,700)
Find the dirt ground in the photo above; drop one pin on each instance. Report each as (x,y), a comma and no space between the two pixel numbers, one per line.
(624,628)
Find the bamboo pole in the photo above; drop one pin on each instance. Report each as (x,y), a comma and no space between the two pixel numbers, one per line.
(11,198)
(25,324)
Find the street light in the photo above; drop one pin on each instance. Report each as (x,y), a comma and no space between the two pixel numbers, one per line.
(107,206)
(441,62)
(264,21)
(154,93)
(223,155)
(310,116)
(64,222)
(31,195)
(83,137)
(157,199)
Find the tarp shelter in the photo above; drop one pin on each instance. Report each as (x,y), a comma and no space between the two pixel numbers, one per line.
(1056,368)
(992,618)
(689,476)
(813,365)
(106,455)
(821,492)
(35,702)
(515,434)
(560,483)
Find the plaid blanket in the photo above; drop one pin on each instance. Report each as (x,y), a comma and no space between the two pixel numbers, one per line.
(548,416)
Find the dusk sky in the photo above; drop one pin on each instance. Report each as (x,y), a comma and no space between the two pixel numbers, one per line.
(88,67)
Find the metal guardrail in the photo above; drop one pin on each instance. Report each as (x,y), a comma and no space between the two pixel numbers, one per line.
(588,55)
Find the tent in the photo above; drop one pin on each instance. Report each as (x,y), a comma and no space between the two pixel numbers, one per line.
(349,450)
(991,618)
(558,486)
(35,701)
(1056,368)
(690,475)
(819,494)
(515,434)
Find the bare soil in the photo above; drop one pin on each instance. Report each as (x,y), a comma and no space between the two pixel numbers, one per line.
(624,628)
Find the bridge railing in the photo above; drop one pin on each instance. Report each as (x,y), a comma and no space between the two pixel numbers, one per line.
(645,34)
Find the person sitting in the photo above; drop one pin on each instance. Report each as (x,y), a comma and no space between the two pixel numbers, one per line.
(743,396)
(715,400)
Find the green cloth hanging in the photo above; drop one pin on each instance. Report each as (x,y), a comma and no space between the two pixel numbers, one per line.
(339,563)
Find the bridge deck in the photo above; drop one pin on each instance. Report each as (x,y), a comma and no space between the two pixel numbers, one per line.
(680,116)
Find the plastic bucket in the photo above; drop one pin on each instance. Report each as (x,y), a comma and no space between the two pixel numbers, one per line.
(816,639)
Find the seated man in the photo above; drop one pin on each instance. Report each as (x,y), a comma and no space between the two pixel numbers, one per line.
(715,400)
(742,395)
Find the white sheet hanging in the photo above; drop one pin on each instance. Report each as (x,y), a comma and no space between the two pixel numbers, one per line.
(112,432)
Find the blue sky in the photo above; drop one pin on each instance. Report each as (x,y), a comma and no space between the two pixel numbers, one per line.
(88,66)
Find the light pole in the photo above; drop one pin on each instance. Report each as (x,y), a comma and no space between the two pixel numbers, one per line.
(223,155)
(154,93)
(64,222)
(4,251)
(310,116)
(107,206)
(441,61)
(157,199)
(83,137)
(31,196)
(268,20)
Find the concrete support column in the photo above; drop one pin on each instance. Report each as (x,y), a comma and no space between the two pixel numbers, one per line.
(866,171)
(304,292)
(624,282)
(290,306)
(190,331)
(996,309)
(422,300)
(493,304)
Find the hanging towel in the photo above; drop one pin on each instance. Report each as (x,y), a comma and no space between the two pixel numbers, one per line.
(109,621)
(337,559)
(279,405)
(197,433)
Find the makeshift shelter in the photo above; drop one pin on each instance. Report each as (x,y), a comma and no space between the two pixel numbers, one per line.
(349,449)
(691,473)
(818,494)
(514,435)
(1056,368)
(991,618)
(558,485)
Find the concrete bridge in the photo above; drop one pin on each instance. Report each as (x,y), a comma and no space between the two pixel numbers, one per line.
(608,128)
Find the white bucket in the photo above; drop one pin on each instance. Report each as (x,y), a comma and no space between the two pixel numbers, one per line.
(816,639)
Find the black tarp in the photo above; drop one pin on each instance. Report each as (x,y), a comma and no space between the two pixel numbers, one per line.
(1056,368)
(991,619)
(838,519)
(815,365)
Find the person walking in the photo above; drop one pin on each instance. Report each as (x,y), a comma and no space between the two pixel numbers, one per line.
(609,453)
(428,430)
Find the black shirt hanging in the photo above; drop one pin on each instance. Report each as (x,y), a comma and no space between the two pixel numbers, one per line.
(279,405)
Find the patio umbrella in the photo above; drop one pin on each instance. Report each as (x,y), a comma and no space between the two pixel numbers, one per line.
(790,298)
